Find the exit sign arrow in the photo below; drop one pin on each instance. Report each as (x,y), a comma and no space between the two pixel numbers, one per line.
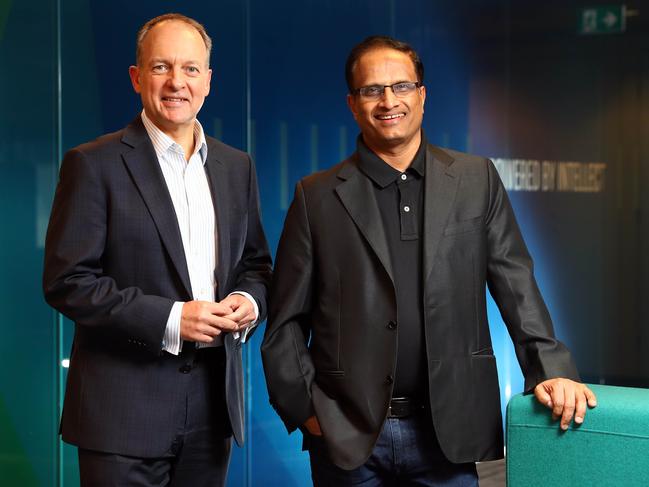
(603,19)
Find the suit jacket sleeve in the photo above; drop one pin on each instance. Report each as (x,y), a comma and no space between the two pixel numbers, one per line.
(510,277)
(287,364)
(74,280)
(253,270)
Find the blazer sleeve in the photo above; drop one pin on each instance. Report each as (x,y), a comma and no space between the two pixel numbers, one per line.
(74,280)
(287,363)
(511,282)
(253,270)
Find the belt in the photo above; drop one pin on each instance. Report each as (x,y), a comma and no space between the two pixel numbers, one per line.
(402,407)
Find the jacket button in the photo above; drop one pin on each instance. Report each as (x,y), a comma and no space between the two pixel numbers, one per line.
(392,325)
(389,379)
(185,369)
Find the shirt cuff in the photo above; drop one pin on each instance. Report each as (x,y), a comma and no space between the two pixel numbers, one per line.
(244,333)
(171,341)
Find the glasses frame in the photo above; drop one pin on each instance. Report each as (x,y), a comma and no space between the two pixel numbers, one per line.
(359,91)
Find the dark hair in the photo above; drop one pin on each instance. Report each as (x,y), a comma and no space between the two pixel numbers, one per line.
(378,42)
(144,30)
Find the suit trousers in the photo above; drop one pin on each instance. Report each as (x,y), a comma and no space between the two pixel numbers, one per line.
(406,454)
(200,451)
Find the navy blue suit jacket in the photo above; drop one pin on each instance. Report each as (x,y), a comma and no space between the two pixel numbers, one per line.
(115,264)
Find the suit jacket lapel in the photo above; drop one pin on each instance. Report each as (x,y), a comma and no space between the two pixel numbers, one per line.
(216,172)
(143,165)
(441,184)
(357,195)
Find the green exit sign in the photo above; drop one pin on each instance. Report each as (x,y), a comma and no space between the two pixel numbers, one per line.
(603,19)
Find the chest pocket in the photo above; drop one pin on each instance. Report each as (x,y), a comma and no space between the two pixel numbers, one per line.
(465,226)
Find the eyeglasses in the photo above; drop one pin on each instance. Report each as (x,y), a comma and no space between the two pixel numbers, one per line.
(375,92)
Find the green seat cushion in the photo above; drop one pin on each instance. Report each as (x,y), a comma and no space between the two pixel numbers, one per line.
(611,448)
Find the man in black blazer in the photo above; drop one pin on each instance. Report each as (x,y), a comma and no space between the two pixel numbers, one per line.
(377,345)
(155,250)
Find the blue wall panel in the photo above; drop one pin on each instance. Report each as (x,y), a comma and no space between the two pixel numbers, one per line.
(28,376)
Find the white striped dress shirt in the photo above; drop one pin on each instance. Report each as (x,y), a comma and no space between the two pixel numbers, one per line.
(192,199)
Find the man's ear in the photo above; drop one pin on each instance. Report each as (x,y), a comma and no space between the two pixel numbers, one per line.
(134,73)
(422,90)
(208,82)
(351,103)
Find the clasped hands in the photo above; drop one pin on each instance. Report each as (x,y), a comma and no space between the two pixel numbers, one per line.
(201,321)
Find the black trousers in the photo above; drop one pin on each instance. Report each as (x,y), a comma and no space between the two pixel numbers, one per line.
(200,452)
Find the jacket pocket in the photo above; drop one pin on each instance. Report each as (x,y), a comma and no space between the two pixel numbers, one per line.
(332,373)
(483,352)
(465,226)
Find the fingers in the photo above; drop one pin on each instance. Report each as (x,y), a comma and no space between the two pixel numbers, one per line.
(567,399)
(585,397)
(206,336)
(563,403)
(557,398)
(590,396)
(222,323)
(313,426)
(543,396)
(580,409)
(568,410)
(242,317)
(243,312)
(201,321)
(205,332)
(219,309)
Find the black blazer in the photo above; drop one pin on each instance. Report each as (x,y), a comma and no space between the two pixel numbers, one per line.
(114,264)
(328,346)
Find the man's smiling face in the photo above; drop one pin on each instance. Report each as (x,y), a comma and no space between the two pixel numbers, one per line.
(390,121)
(172,76)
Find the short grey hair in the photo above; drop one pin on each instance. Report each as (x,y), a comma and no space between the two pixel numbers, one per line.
(144,30)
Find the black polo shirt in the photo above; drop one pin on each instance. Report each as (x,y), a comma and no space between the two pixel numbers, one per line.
(400,197)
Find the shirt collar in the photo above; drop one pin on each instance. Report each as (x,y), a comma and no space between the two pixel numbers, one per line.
(162,143)
(380,171)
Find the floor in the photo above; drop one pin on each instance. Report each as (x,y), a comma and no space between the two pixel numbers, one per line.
(492,474)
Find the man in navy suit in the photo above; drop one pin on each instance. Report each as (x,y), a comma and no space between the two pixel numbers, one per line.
(155,250)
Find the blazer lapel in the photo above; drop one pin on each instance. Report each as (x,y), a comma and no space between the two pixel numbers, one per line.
(143,165)
(357,195)
(439,195)
(216,173)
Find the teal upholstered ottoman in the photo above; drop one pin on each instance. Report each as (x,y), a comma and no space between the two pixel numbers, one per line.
(611,448)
